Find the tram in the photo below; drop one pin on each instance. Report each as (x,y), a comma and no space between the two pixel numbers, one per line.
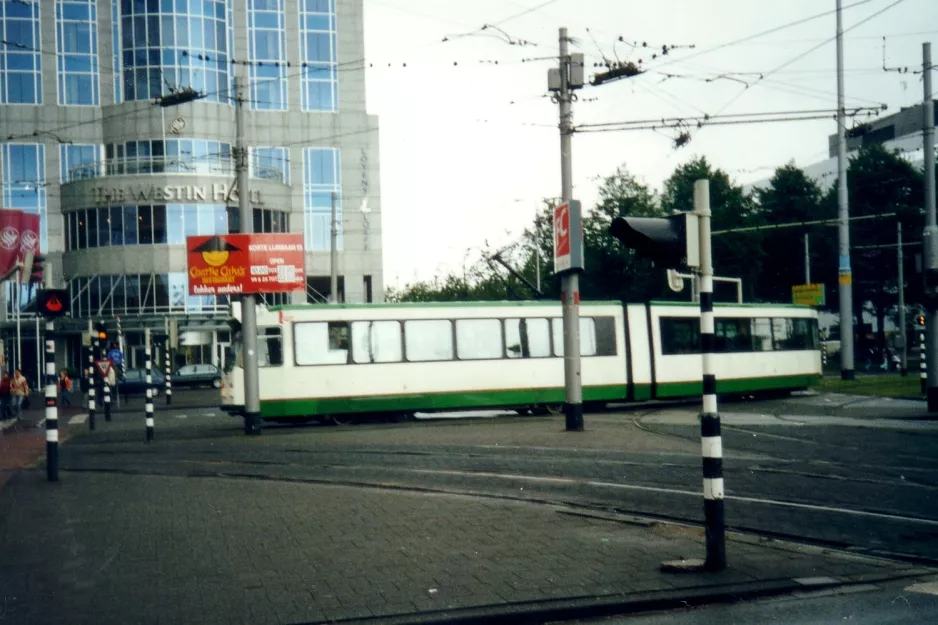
(342,362)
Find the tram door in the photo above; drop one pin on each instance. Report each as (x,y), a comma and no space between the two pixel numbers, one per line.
(222,354)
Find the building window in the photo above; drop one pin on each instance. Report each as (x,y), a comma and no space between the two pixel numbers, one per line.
(139,295)
(320,85)
(20,53)
(167,45)
(24,181)
(270,164)
(116,47)
(76,36)
(181,156)
(79,161)
(267,54)
(321,178)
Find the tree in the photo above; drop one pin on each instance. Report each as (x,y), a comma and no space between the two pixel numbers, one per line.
(734,254)
(792,197)
(880,181)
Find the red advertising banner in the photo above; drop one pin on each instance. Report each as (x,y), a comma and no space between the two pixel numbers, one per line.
(19,234)
(234,264)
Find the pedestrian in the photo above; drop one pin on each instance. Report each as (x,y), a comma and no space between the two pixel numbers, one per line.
(19,388)
(5,410)
(65,387)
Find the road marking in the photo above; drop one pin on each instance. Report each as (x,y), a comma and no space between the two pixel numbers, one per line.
(926,588)
(209,414)
(690,493)
(182,416)
(7,424)
(78,419)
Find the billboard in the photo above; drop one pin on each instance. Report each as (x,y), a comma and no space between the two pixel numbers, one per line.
(236,264)
(568,237)
(19,235)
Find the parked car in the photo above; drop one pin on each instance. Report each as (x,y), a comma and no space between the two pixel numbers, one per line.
(197,375)
(134,382)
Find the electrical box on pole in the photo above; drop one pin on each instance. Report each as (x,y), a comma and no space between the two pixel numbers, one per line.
(671,242)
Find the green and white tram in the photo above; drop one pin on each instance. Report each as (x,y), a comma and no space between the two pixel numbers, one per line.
(345,361)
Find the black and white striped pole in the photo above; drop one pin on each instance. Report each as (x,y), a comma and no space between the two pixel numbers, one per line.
(91,398)
(52,410)
(168,374)
(106,387)
(922,365)
(711,442)
(149,381)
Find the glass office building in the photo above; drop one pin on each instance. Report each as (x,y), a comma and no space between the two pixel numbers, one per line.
(119,182)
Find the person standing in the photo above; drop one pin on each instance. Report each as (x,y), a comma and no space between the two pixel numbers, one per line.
(65,387)
(19,388)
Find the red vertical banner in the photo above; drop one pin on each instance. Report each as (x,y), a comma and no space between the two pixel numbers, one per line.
(9,239)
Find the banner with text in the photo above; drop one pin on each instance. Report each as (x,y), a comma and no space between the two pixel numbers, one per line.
(234,264)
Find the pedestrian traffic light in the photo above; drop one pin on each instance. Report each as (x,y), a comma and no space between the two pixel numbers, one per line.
(671,242)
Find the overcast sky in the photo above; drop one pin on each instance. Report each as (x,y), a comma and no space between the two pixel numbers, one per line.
(469,147)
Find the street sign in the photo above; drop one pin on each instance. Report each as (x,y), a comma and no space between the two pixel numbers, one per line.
(103,365)
(568,238)
(116,356)
(234,264)
(52,302)
(808,295)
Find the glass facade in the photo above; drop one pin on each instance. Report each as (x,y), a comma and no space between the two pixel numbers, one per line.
(267,54)
(20,54)
(172,44)
(183,156)
(159,224)
(142,294)
(24,181)
(321,177)
(320,84)
(270,164)
(76,37)
(80,161)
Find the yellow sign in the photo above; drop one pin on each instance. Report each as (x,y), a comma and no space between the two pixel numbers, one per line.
(845,279)
(808,295)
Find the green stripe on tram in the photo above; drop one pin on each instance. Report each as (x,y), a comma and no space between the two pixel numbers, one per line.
(298,407)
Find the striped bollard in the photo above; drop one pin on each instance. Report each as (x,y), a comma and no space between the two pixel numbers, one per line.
(106,388)
(823,357)
(52,410)
(169,376)
(923,373)
(91,404)
(149,380)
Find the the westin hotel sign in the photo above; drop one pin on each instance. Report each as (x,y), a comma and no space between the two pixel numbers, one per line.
(219,193)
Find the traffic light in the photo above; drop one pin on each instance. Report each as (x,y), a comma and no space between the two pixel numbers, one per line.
(671,242)
(36,271)
(100,331)
(920,320)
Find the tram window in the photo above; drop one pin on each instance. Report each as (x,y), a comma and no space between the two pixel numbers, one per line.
(680,335)
(428,340)
(376,341)
(478,339)
(269,347)
(605,336)
(527,338)
(781,334)
(319,343)
(587,336)
(762,335)
(802,334)
(732,335)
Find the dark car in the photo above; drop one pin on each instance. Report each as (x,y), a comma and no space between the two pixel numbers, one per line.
(134,382)
(198,375)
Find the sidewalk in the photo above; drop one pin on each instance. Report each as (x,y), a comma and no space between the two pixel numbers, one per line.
(114,545)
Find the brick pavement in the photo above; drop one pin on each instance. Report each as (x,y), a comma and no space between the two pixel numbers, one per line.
(102,547)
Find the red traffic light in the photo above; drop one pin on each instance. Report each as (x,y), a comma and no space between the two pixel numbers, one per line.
(52,302)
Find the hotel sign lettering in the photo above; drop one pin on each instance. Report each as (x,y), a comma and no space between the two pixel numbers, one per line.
(219,193)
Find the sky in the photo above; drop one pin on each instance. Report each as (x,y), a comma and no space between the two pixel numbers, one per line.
(468,133)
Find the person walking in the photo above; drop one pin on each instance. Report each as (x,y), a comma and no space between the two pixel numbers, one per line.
(19,388)
(65,387)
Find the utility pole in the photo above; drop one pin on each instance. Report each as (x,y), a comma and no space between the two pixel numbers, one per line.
(904,362)
(537,252)
(334,252)
(930,238)
(570,281)
(845,277)
(252,404)
(807,260)
(51,394)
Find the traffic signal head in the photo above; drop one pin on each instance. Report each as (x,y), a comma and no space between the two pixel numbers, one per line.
(36,271)
(920,320)
(100,331)
(671,242)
